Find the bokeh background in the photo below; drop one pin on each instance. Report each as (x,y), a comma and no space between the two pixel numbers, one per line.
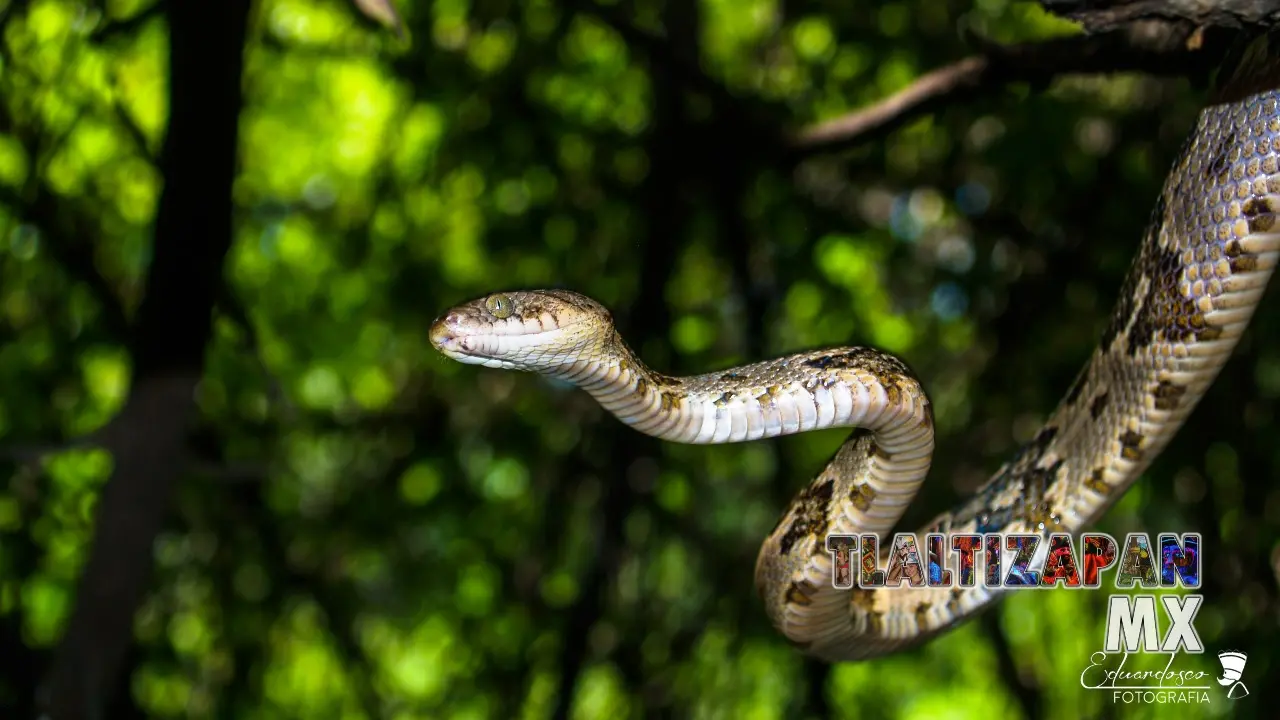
(365,530)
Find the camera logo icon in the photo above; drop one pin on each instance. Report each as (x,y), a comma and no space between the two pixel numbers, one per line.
(1232,668)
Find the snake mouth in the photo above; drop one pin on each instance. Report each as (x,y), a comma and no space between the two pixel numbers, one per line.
(490,349)
(442,338)
(458,346)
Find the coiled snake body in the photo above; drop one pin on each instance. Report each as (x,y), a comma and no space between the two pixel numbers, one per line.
(1202,266)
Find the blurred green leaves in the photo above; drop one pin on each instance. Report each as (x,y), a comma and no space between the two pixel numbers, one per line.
(371,530)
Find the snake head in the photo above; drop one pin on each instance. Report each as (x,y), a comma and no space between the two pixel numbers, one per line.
(530,330)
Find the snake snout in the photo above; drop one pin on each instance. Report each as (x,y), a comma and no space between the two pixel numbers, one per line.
(444,333)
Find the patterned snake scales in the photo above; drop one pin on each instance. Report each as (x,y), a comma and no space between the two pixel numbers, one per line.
(1201,269)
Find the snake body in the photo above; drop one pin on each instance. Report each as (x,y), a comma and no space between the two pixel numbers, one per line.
(1202,266)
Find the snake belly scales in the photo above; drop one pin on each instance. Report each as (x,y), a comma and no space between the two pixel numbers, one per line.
(1201,269)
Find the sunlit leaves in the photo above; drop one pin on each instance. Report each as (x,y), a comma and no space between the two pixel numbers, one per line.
(449,28)
(14,163)
(421,130)
(505,479)
(10,512)
(732,28)
(489,51)
(748,679)
(46,604)
(600,694)
(91,145)
(420,483)
(559,589)
(599,86)
(166,691)
(855,266)
(139,82)
(373,388)
(513,148)
(803,303)
(106,380)
(458,223)
(540,17)
(48,24)
(63,530)
(674,493)
(322,388)
(418,664)
(814,39)
(134,185)
(476,589)
(305,674)
(311,22)
(338,131)
(1011,21)
(692,334)
(99,112)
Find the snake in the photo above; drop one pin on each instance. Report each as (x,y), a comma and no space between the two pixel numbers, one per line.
(1202,265)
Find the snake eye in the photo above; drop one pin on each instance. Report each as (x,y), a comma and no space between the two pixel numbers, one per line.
(500,306)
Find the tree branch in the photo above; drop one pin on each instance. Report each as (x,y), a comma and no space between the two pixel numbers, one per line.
(1157,48)
(1109,14)
(147,440)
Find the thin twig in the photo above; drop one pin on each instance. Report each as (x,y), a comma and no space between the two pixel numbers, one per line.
(1174,50)
(1113,13)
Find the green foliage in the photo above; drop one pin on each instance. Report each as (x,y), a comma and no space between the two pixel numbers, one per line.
(380,532)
